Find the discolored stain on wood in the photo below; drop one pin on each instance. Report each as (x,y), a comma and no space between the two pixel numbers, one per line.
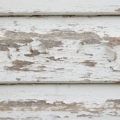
(64,34)
(23,36)
(114,69)
(41,105)
(84,115)
(18,79)
(7,118)
(30,48)
(90,38)
(59,68)
(5,43)
(49,40)
(88,54)
(33,53)
(89,63)
(70,42)
(9,55)
(18,118)
(59,49)
(86,37)
(57,116)
(42,66)
(55,59)
(11,40)
(21,63)
(18,65)
(118,10)
(51,43)
(116,101)
(112,41)
(3,47)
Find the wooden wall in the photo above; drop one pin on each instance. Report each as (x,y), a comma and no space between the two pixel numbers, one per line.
(59,60)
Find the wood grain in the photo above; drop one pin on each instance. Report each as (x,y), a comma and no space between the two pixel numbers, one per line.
(59,7)
(59,50)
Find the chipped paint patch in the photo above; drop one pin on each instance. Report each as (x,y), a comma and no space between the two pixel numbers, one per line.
(56,45)
(33,53)
(3,47)
(41,105)
(56,59)
(18,65)
(89,63)
(61,47)
(118,10)
(90,38)
(112,41)
(51,43)
(46,39)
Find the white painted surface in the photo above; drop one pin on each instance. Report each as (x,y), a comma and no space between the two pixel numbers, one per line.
(65,101)
(68,93)
(59,50)
(59,7)
(71,50)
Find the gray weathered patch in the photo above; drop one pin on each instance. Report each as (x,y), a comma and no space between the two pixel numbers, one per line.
(112,41)
(116,101)
(42,105)
(90,38)
(86,37)
(49,40)
(118,10)
(18,65)
(3,47)
(51,43)
(59,68)
(56,59)
(33,53)
(11,40)
(89,63)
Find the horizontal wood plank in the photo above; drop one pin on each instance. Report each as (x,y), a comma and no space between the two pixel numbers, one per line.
(59,7)
(60,50)
(55,102)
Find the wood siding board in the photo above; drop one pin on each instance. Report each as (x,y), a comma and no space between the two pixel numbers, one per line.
(68,102)
(59,7)
(59,50)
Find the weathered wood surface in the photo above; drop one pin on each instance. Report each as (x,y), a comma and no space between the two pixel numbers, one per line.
(59,7)
(60,102)
(60,50)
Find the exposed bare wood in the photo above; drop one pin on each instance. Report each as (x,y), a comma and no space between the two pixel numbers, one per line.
(60,50)
(54,102)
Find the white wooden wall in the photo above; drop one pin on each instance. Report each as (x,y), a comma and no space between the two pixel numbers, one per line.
(59,7)
(59,60)
(60,50)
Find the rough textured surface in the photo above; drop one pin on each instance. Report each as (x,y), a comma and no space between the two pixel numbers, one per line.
(59,50)
(60,101)
(59,7)
(63,53)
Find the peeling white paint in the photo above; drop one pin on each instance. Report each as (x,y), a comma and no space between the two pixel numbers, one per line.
(95,100)
(75,59)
